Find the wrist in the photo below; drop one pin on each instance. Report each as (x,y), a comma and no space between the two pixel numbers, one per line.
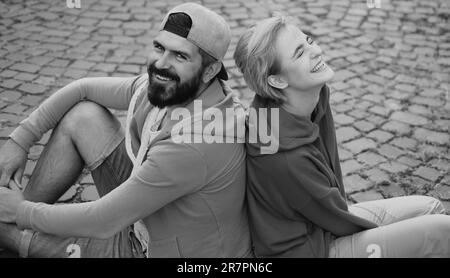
(23,214)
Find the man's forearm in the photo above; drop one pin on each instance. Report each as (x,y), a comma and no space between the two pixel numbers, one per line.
(66,220)
(112,92)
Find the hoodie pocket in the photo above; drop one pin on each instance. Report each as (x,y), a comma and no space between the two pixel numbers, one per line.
(165,248)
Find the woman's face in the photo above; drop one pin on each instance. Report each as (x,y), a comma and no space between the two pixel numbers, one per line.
(301,64)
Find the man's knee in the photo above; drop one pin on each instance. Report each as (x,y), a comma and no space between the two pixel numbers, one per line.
(86,115)
(437,225)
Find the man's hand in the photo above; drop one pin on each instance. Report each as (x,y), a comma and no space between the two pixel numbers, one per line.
(9,203)
(12,163)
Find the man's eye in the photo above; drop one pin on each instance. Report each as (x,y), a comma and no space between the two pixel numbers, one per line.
(158,47)
(181,56)
(309,40)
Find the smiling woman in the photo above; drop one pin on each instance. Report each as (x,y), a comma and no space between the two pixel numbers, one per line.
(296,196)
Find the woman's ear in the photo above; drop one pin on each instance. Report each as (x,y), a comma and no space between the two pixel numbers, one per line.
(211,71)
(277,81)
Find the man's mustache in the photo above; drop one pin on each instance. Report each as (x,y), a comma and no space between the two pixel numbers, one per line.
(162,72)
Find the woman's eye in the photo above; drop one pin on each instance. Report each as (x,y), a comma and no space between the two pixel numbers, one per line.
(309,40)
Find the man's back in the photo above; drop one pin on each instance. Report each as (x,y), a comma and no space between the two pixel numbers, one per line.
(210,222)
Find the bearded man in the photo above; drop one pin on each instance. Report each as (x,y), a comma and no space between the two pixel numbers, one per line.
(189,196)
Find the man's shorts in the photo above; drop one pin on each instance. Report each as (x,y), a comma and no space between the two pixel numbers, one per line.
(113,170)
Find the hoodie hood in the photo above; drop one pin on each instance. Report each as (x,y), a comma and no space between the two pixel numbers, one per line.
(294,131)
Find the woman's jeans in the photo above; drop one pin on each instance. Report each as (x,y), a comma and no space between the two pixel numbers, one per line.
(410,226)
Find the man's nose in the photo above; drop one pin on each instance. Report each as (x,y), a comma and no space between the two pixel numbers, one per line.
(163,61)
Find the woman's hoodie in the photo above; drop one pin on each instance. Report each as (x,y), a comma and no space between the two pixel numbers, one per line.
(296,196)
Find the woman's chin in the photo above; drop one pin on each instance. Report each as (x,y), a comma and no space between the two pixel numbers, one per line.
(328,74)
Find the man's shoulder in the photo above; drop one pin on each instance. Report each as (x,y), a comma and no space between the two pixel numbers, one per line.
(139,81)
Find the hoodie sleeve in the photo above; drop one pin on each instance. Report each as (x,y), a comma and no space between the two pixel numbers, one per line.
(311,191)
(170,172)
(111,92)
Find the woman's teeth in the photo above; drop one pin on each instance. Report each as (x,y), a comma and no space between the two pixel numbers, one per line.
(318,67)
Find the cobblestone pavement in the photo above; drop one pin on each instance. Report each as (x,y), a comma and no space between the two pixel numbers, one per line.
(390,96)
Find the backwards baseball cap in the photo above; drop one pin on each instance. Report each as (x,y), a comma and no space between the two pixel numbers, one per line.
(207,30)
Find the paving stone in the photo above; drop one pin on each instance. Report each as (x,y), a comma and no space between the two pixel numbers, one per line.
(32,88)
(390,151)
(359,145)
(370,158)
(60,63)
(366,196)
(442,192)
(411,162)
(378,176)
(87,179)
(446,180)
(89,194)
(344,154)
(10,119)
(69,194)
(15,109)
(129,69)
(427,173)
(392,191)
(346,133)
(358,114)
(446,205)
(40,60)
(364,126)
(405,87)
(404,143)
(82,65)
(409,118)
(25,67)
(29,168)
(10,83)
(355,183)
(397,127)
(137,25)
(35,152)
(440,138)
(350,166)
(10,96)
(8,73)
(75,74)
(25,76)
(441,164)
(53,71)
(393,167)
(380,136)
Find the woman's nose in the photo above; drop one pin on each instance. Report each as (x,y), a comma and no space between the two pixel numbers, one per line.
(315,51)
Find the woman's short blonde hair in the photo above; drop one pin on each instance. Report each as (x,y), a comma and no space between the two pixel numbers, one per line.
(256,56)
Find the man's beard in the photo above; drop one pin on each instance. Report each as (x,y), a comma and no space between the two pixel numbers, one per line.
(162,95)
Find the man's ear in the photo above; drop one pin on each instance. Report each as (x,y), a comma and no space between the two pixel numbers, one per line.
(277,81)
(211,71)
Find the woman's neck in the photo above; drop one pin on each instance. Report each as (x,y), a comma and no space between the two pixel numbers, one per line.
(301,103)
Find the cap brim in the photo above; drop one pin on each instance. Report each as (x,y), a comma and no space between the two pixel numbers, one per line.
(223,73)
